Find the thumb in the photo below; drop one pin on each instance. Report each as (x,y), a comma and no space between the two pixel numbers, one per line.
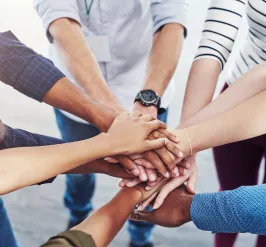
(141,216)
(155,125)
(155,144)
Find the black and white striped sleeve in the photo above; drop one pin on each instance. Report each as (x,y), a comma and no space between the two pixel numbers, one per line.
(223,20)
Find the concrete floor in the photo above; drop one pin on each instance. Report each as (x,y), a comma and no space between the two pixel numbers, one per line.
(37,212)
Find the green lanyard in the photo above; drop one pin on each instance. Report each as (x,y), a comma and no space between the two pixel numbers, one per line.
(88,8)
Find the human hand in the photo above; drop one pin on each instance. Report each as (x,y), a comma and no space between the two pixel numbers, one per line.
(171,184)
(174,212)
(161,158)
(147,110)
(129,132)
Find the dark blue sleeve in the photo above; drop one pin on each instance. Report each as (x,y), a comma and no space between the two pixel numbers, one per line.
(240,210)
(24,69)
(14,138)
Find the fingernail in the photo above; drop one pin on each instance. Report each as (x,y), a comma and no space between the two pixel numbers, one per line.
(106,159)
(121,184)
(192,188)
(139,208)
(156,205)
(167,174)
(147,188)
(176,170)
(138,162)
(143,177)
(135,172)
(152,177)
(180,154)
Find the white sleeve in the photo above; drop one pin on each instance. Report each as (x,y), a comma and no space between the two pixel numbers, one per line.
(169,11)
(51,10)
(223,20)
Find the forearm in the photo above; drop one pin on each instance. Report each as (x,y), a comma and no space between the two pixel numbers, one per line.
(247,86)
(244,213)
(30,165)
(165,53)
(105,223)
(200,88)
(68,97)
(244,121)
(80,60)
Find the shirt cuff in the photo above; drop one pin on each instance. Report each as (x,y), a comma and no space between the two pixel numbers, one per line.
(170,12)
(38,77)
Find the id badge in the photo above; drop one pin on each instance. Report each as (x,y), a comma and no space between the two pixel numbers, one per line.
(100,47)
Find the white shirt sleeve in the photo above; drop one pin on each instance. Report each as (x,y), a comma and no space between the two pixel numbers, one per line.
(51,10)
(222,23)
(169,11)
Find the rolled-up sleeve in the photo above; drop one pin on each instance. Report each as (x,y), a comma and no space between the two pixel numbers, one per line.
(24,69)
(241,210)
(51,10)
(169,11)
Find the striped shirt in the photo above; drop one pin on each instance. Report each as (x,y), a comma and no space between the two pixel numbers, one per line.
(220,31)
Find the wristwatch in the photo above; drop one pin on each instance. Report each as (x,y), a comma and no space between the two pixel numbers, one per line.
(148,98)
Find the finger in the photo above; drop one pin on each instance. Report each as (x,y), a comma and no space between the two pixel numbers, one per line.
(135,156)
(172,137)
(155,144)
(148,118)
(171,147)
(169,187)
(111,160)
(145,163)
(133,182)
(153,158)
(141,216)
(192,181)
(155,125)
(136,114)
(163,153)
(183,164)
(128,164)
(152,176)
(116,170)
(122,182)
(142,176)
(147,202)
(150,185)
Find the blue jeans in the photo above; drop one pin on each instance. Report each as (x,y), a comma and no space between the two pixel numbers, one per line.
(80,188)
(7,237)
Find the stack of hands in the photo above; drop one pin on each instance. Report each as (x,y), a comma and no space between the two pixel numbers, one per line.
(155,155)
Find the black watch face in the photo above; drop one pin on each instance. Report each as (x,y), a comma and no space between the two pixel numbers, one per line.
(148,96)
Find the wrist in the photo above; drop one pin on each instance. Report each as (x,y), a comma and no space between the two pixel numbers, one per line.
(186,209)
(183,144)
(147,110)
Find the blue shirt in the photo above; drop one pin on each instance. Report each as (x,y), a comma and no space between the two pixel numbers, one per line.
(241,210)
(24,69)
